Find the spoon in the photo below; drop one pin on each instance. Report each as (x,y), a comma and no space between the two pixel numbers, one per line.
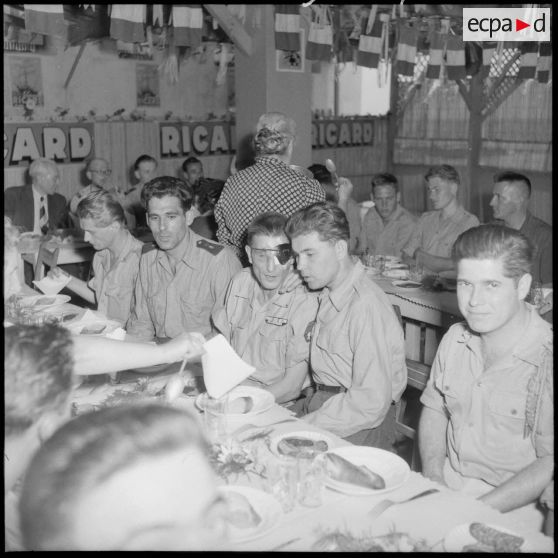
(330,166)
(176,384)
(382,506)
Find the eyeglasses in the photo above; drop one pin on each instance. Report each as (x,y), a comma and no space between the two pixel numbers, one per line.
(283,253)
(104,172)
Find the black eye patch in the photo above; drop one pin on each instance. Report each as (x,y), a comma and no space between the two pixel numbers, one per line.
(284,253)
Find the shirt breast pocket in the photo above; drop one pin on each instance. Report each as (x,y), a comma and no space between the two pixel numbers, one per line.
(271,341)
(508,406)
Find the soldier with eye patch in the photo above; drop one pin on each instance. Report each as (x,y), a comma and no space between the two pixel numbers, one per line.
(268,329)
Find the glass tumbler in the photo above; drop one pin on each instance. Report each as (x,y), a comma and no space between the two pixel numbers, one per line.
(282,478)
(311,474)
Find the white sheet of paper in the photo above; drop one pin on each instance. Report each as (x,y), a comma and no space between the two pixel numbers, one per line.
(52,286)
(223,369)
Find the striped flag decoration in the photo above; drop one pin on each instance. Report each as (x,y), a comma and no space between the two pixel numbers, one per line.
(437,46)
(544,63)
(320,36)
(287,27)
(187,24)
(407,50)
(455,58)
(46,19)
(127,22)
(370,47)
(528,60)
(488,50)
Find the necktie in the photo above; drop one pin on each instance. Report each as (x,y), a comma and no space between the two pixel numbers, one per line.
(43,221)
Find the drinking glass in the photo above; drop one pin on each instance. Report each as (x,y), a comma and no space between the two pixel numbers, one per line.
(282,478)
(380,263)
(311,473)
(416,271)
(215,420)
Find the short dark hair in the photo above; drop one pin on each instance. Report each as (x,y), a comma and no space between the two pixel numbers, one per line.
(102,207)
(190,161)
(168,186)
(208,192)
(320,172)
(325,218)
(516,177)
(384,179)
(144,158)
(496,242)
(38,373)
(445,172)
(267,224)
(86,452)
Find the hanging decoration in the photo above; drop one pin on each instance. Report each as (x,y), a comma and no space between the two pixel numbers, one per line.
(455,57)
(528,60)
(127,22)
(406,50)
(370,42)
(437,46)
(544,63)
(488,51)
(46,19)
(287,27)
(320,35)
(187,24)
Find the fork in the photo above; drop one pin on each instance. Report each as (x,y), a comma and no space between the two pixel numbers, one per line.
(382,506)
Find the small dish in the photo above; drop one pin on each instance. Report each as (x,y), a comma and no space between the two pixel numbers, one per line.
(407,285)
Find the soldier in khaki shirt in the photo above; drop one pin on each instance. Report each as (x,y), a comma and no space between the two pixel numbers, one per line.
(116,261)
(269,330)
(437,230)
(357,354)
(387,227)
(184,276)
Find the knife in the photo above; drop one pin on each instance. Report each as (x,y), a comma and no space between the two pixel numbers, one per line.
(382,506)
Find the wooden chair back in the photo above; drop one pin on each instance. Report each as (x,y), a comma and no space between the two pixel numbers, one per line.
(418,372)
(46,256)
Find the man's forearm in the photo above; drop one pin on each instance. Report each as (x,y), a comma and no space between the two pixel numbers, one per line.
(523,488)
(434,263)
(432,443)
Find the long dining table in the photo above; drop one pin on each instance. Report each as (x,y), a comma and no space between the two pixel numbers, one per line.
(342,520)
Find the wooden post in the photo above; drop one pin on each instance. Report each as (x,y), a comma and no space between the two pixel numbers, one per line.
(392,119)
(473,194)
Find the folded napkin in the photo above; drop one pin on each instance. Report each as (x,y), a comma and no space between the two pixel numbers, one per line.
(51,285)
(94,323)
(223,369)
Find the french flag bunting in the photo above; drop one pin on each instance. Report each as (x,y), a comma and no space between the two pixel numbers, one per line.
(437,45)
(187,23)
(287,27)
(407,50)
(544,63)
(370,47)
(528,60)
(127,22)
(488,50)
(455,58)
(46,19)
(320,39)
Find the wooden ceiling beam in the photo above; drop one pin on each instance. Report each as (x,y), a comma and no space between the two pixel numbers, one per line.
(232,27)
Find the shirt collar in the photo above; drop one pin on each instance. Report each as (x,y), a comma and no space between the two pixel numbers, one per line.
(527,349)
(341,295)
(273,161)
(187,246)
(126,252)
(37,194)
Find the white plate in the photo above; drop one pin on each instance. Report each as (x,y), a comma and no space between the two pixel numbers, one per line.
(263,400)
(264,504)
(315,436)
(43,301)
(393,469)
(460,537)
(406,285)
(397,273)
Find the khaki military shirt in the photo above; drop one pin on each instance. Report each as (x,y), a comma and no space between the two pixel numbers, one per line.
(389,237)
(114,286)
(436,235)
(489,409)
(168,303)
(357,343)
(274,336)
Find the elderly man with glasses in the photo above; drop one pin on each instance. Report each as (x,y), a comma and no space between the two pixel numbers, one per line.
(97,172)
(268,329)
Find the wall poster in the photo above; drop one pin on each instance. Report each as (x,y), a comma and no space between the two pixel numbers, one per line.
(147,85)
(26,81)
(291,60)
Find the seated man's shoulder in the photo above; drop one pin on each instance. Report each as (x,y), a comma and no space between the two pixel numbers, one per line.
(149,248)
(408,216)
(15,191)
(208,246)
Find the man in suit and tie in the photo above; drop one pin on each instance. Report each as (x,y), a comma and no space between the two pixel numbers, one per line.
(37,207)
